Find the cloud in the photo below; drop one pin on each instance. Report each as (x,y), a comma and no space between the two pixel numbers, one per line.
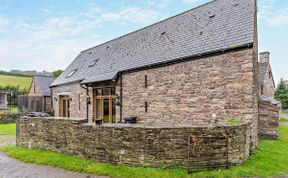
(159,3)
(281,19)
(4,21)
(272,15)
(48,45)
(266,7)
(57,39)
(189,1)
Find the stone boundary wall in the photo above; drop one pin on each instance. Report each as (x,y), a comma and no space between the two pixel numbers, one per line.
(269,114)
(153,146)
(6,118)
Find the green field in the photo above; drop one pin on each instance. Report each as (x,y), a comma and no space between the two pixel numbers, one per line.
(23,82)
(7,130)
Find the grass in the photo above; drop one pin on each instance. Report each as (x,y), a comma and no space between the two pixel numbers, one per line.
(7,130)
(233,121)
(283,120)
(23,82)
(271,159)
(14,109)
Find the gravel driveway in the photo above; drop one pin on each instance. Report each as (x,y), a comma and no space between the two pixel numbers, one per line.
(12,168)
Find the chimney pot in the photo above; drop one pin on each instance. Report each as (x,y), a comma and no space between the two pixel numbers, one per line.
(265,57)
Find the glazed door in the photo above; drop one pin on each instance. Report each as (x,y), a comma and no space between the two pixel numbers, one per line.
(104,102)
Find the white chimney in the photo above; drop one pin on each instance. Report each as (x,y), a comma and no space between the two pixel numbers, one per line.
(265,57)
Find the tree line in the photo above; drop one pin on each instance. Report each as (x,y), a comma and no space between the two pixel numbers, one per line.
(281,93)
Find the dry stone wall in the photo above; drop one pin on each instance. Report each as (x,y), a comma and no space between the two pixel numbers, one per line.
(155,146)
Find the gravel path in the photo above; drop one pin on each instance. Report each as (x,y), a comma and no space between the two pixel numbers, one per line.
(12,168)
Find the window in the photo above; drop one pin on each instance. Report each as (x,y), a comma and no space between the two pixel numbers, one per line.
(71,73)
(93,62)
(104,91)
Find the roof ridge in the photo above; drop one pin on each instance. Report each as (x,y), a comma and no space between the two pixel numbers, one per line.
(127,34)
(44,76)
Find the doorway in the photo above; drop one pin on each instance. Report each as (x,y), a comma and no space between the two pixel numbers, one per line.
(64,106)
(104,105)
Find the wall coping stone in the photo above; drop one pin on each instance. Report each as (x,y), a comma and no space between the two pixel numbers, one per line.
(159,126)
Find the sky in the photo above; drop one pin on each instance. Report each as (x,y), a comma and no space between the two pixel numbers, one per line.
(49,34)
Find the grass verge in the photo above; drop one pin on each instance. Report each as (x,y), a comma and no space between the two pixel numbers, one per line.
(271,159)
(8,129)
(283,120)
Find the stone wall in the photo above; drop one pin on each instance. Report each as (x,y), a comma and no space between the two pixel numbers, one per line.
(6,118)
(156,146)
(268,85)
(222,86)
(78,102)
(268,120)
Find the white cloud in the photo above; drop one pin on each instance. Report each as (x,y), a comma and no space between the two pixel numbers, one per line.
(189,1)
(48,45)
(159,3)
(277,20)
(56,40)
(266,7)
(3,21)
(271,15)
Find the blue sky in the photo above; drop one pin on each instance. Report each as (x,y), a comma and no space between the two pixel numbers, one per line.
(49,34)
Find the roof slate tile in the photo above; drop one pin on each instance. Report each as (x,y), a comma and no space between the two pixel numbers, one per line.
(188,34)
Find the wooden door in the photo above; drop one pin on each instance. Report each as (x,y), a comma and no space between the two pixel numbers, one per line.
(64,107)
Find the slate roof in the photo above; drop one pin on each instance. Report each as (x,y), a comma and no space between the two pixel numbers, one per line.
(263,67)
(215,26)
(44,83)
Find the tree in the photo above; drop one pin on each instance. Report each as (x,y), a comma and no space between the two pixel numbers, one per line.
(57,73)
(281,94)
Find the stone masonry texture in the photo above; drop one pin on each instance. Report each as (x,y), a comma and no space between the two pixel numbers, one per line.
(268,120)
(223,85)
(155,146)
(218,87)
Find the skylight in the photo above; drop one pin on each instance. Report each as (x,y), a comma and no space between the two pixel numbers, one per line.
(71,73)
(93,62)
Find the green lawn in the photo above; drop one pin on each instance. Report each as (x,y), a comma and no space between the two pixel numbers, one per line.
(283,120)
(7,130)
(271,159)
(23,82)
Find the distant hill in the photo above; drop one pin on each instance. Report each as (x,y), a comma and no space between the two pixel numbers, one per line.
(25,73)
(23,82)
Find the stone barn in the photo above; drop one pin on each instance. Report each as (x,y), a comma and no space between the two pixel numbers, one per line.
(185,78)
(39,96)
(197,66)
(269,108)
